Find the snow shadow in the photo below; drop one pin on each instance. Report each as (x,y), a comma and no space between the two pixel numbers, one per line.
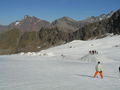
(84,75)
(89,76)
(110,77)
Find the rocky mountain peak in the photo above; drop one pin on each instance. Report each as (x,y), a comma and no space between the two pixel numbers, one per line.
(29,23)
(65,18)
(27,16)
(31,19)
(103,16)
(66,24)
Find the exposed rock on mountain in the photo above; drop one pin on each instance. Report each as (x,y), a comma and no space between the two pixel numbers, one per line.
(99,29)
(29,24)
(90,31)
(14,41)
(114,23)
(93,19)
(66,24)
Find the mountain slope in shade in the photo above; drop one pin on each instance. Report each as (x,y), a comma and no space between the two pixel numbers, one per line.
(3,28)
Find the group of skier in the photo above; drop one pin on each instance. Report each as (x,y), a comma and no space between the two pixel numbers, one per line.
(92,52)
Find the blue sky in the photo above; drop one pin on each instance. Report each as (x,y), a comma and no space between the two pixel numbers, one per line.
(12,10)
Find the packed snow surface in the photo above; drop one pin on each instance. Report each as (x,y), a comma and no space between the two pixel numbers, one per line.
(66,67)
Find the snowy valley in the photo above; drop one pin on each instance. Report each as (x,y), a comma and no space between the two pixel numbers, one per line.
(65,67)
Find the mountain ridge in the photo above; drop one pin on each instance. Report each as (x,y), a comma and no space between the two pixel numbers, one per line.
(32,23)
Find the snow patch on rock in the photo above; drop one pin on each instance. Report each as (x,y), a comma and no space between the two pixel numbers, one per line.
(17,23)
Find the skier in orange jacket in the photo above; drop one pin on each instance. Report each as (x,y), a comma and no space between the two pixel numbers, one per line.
(98,68)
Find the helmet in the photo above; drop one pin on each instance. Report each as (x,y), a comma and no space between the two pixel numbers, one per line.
(98,62)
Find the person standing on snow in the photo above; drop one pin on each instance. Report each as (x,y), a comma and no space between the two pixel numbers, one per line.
(98,68)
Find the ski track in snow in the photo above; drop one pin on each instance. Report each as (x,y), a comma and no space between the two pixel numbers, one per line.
(65,67)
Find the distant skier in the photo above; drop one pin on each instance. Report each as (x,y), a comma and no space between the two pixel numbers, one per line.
(98,68)
(63,56)
(89,52)
(93,52)
(119,69)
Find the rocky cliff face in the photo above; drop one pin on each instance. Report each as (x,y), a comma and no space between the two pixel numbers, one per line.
(99,29)
(114,23)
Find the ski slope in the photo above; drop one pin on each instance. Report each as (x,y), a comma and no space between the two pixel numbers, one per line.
(65,67)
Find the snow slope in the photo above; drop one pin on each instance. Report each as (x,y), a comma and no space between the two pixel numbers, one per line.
(65,67)
(108,48)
